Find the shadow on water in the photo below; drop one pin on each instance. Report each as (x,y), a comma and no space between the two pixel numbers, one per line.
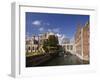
(65,59)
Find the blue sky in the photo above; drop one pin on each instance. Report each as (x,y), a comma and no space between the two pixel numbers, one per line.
(62,24)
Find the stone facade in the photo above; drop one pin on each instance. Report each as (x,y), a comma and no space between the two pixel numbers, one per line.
(82,42)
(34,43)
(78,41)
(68,45)
(86,36)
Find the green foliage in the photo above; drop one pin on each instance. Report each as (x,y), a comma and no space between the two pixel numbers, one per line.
(52,40)
(51,44)
(45,44)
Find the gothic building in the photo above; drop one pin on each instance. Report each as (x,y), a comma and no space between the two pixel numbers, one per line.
(82,41)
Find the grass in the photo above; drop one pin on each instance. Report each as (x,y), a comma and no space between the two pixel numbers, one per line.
(28,54)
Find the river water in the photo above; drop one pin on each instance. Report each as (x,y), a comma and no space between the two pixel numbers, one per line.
(68,59)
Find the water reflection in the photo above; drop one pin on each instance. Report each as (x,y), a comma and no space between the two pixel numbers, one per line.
(66,59)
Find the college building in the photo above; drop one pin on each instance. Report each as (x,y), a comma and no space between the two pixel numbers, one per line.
(68,45)
(34,43)
(82,41)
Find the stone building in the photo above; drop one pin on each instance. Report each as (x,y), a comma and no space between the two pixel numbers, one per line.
(78,42)
(68,45)
(32,44)
(86,39)
(82,42)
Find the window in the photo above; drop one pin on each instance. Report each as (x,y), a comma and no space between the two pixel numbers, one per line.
(68,47)
(33,48)
(71,47)
(29,48)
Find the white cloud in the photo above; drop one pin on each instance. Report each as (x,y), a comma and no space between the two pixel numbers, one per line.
(56,30)
(60,37)
(63,36)
(72,39)
(36,22)
(49,30)
(36,38)
(41,29)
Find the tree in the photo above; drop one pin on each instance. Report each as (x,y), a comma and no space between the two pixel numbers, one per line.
(45,44)
(50,45)
(52,40)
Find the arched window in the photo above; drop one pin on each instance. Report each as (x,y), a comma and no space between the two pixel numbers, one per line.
(68,47)
(29,48)
(71,47)
(33,48)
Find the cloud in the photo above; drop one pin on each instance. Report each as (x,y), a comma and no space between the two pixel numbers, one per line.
(46,24)
(49,30)
(36,23)
(39,23)
(36,37)
(41,29)
(56,30)
(72,39)
(61,37)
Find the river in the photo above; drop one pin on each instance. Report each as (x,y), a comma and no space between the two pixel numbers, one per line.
(66,59)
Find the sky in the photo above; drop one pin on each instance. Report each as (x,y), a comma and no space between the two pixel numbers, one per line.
(64,25)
